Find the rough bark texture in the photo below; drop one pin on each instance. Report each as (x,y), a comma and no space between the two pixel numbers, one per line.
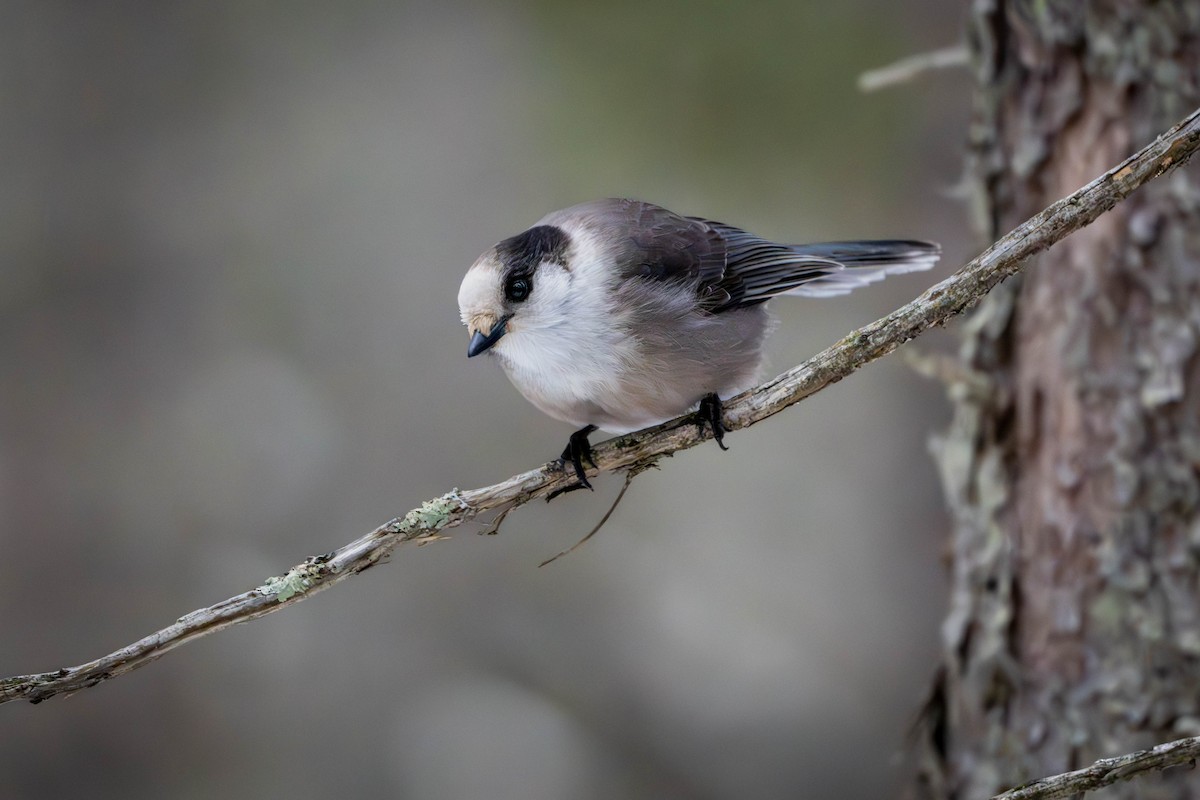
(1071,464)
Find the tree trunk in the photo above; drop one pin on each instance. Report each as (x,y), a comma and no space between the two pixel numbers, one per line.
(1072,479)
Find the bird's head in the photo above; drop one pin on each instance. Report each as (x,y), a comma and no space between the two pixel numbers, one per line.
(520,284)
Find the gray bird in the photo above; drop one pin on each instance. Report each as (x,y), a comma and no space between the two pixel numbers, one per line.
(619,314)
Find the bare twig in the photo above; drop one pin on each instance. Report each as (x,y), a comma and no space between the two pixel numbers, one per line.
(1108,771)
(906,69)
(629,476)
(642,449)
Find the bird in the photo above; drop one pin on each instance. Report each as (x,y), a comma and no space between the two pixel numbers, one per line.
(619,314)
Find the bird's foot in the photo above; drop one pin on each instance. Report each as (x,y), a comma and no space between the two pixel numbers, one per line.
(709,414)
(578,450)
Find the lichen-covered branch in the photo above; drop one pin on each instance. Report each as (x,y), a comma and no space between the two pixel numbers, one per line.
(1108,771)
(639,450)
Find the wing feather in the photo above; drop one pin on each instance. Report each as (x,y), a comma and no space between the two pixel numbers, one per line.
(728,267)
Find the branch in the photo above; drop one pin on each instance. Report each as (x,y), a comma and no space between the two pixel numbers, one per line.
(1107,771)
(906,69)
(642,449)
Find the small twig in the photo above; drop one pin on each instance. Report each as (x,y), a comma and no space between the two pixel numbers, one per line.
(629,476)
(1108,771)
(906,69)
(951,373)
(935,306)
(493,527)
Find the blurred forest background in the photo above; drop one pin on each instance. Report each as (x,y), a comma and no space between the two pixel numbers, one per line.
(231,236)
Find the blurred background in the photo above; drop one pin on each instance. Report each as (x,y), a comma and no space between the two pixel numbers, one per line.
(231,237)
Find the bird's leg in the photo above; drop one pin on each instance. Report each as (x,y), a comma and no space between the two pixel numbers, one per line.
(578,448)
(710,413)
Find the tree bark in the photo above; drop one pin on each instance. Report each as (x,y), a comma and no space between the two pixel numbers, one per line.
(1071,464)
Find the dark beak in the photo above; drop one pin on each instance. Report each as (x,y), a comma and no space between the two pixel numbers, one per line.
(479,342)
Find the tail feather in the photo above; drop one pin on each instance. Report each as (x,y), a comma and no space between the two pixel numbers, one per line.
(865,262)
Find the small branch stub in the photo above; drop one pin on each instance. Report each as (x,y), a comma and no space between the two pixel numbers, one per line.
(912,67)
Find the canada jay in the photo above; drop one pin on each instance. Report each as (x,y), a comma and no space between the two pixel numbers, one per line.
(618,314)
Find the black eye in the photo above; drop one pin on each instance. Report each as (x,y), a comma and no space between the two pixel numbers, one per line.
(517,289)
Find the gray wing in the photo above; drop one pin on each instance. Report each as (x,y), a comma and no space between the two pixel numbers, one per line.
(662,245)
(757,269)
(731,268)
(726,266)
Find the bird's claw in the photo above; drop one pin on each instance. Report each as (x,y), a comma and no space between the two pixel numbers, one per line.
(578,450)
(709,414)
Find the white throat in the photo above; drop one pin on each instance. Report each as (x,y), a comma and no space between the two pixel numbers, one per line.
(572,350)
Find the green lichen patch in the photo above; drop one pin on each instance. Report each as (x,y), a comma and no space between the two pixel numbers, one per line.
(433,515)
(298,580)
